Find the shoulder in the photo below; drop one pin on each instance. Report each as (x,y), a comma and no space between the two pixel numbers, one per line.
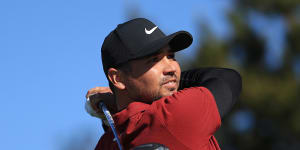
(191,112)
(186,103)
(188,96)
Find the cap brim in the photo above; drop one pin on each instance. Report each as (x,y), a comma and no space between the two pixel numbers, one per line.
(177,41)
(180,40)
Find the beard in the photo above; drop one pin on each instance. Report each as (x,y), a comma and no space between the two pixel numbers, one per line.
(148,97)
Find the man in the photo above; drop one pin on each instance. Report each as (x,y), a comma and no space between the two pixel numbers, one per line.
(152,101)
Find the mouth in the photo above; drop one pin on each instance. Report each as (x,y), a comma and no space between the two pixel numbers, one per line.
(170,84)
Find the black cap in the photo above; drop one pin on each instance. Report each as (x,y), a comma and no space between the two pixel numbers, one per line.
(138,38)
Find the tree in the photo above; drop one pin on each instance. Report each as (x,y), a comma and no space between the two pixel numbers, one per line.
(270,96)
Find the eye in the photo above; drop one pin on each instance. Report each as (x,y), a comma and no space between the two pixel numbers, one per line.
(155,59)
(171,56)
(152,59)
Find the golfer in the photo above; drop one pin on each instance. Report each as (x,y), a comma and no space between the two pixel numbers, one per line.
(151,99)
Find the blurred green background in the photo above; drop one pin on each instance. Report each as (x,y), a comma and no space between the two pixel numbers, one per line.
(264,47)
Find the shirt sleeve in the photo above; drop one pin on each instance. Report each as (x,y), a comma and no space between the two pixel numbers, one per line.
(225,85)
(190,115)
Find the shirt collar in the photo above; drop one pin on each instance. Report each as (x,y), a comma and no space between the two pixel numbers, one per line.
(132,109)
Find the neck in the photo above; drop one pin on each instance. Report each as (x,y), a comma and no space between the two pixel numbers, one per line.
(122,100)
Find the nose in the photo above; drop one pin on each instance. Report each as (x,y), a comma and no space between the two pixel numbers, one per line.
(169,66)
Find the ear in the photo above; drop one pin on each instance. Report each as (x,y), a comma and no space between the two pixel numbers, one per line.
(115,78)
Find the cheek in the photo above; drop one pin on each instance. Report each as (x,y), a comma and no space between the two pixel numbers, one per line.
(146,88)
(148,83)
(177,66)
(151,79)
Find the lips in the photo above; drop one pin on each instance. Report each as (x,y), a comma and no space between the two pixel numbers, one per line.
(172,83)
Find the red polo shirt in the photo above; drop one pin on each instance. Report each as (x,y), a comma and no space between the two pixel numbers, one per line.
(185,120)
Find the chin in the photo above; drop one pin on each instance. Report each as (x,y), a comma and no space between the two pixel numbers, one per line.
(165,92)
(169,92)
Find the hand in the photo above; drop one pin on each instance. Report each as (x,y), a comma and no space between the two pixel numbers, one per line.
(97,95)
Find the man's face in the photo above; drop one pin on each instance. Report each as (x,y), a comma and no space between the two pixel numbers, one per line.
(153,77)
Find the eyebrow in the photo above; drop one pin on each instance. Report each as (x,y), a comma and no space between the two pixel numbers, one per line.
(148,59)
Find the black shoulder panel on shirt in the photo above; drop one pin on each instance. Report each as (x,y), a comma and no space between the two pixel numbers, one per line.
(224,84)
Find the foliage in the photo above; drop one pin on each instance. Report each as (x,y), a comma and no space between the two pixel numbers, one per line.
(270,95)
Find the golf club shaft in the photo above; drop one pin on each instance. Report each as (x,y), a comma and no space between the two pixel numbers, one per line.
(111,123)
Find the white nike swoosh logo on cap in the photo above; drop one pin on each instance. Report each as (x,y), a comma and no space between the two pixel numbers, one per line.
(150,31)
